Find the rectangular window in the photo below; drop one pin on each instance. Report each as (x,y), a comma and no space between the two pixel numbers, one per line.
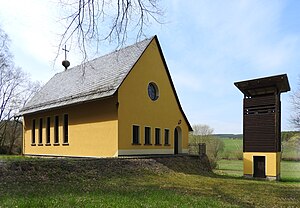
(33,132)
(56,130)
(167,135)
(135,134)
(147,135)
(157,136)
(41,131)
(48,131)
(66,130)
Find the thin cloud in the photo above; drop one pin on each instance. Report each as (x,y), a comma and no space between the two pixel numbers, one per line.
(223,42)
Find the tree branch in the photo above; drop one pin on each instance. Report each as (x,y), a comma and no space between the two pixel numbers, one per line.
(97,21)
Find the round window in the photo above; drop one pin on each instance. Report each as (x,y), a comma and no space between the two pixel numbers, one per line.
(153,91)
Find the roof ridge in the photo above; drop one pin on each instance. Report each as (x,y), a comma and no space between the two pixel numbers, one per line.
(107,54)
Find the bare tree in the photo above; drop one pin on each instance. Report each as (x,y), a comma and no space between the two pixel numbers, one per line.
(204,134)
(5,55)
(202,130)
(295,100)
(15,90)
(93,21)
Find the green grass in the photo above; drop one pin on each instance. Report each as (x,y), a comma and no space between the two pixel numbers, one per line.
(233,149)
(291,149)
(140,197)
(230,168)
(232,145)
(18,158)
(290,170)
(12,157)
(135,183)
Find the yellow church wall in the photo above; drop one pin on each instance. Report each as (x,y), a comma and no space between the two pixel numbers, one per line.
(93,130)
(136,108)
(272,162)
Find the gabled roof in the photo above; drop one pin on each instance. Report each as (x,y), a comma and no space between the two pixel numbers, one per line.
(100,78)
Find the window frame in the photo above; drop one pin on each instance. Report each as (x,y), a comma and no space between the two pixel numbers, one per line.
(33,135)
(56,130)
(153,88)
(147,136)
(66,129)
(40,142)
(157,133)
(48,126)
(167,137)
(135,141)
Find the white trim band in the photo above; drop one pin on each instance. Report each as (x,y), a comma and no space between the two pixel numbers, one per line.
(145,151)
(62,155)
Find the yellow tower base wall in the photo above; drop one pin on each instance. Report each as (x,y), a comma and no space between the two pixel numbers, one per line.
(272,164)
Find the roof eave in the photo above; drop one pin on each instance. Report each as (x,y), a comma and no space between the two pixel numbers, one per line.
(37,110)
(173,87)
(279,83)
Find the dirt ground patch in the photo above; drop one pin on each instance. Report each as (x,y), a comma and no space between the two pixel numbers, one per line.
(60,168)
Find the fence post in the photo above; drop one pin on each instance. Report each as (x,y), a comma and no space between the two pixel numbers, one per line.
(202,149)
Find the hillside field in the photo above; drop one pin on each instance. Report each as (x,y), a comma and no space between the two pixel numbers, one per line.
(127,182)
(290,170)
(233,149)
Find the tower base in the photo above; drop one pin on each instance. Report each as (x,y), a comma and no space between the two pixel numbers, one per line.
(262,165)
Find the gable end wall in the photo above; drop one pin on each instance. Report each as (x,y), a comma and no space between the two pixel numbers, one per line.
(136,108)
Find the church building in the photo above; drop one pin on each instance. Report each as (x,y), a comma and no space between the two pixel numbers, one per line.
(123,103)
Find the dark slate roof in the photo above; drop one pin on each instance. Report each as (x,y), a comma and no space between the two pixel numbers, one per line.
(265,85)
(100,78)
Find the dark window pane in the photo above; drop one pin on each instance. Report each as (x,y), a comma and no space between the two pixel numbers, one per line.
(48,130)
(33,132)
(66,131)
(157,136)
(41,131)
(167,136)
(56,129)
(135,134)
(147,135)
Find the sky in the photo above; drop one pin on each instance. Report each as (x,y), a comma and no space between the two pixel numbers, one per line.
(208,45)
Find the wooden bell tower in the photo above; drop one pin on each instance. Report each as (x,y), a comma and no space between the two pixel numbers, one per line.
(262,125)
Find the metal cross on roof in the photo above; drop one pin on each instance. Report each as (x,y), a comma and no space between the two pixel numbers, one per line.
(65,49)
(65,62)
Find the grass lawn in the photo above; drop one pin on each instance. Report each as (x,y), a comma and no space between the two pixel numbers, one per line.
(232,145)
(230,167)
(178,182)
(290,170)
(233,148)
(291,149)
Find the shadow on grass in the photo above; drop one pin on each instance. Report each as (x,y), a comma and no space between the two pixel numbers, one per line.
(193,165)
(290,179)
(186,164)
(228,176)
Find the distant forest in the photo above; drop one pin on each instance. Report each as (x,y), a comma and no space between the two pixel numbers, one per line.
(285,135)
(231,136)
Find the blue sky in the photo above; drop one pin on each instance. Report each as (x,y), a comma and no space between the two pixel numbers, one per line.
(208,45)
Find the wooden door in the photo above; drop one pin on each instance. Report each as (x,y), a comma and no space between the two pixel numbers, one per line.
(175,142)
(259,166)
